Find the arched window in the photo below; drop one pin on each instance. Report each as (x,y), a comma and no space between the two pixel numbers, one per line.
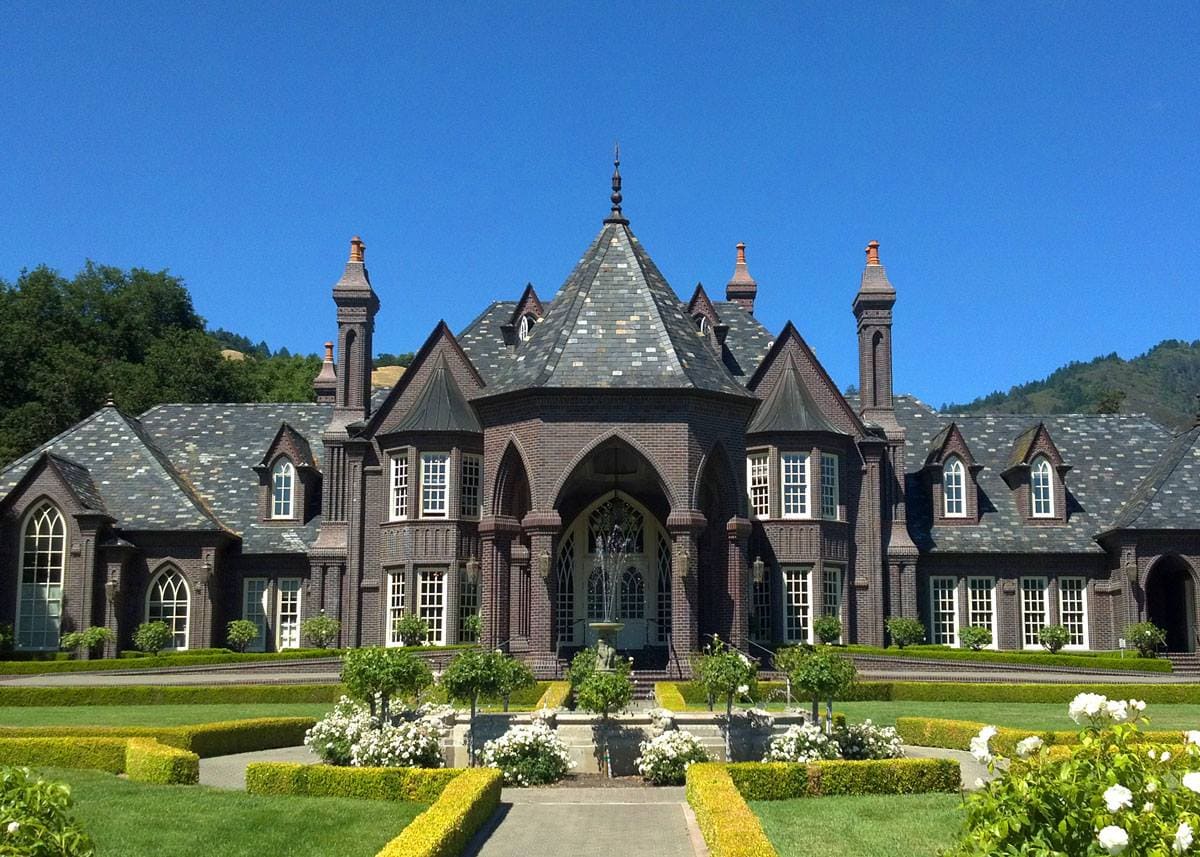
(595,594)
(1042,487)
(168,602)
(701,323)
(953,482)
(633,594)
(39,595)
(664,590)
(283,478)
(564,618)
(525,329)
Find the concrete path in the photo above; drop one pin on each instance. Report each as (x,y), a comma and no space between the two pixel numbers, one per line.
(229,772)
(590,822)
(970,770)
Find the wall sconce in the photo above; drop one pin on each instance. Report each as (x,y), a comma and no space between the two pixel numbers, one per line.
(682,560)
(759,569)
(472,571)
(208,569)
(543,564)
(111,590)
(1131,573)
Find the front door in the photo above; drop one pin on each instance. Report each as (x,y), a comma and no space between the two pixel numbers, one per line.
(631,606)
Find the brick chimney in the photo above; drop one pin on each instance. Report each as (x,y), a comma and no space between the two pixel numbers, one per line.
(741,288)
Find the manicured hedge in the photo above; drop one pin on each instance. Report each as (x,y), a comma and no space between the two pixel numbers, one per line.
(667,694)
(730,827)
(444,829)
(1077,660)
(205,739)
(555,695)
(786,780)
(19,696)
(418,785)
(957,734)
(102,754)
(148,761)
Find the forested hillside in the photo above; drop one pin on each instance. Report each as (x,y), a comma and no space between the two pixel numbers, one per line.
(1163,383)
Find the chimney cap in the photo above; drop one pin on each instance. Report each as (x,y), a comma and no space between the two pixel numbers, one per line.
(328,352)
(872,252)
(358,250)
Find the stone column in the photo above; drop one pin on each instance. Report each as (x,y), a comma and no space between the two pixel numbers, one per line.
(543,529)
(737,580)
(684,528)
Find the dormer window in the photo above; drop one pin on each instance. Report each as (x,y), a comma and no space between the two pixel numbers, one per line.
(701,324)
(283,479)
(525,328)
(1041,485)
(953,492)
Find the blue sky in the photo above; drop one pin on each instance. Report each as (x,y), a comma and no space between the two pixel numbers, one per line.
(1029,168)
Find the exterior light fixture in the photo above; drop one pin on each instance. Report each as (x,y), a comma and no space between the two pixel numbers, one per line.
(760,569)
(472,571)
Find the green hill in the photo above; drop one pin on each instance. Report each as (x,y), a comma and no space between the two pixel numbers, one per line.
(1163,383)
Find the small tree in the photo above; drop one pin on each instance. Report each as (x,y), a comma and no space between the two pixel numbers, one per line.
(412,630)
(827,629)
(240,633)
(604,693)
(471,628)
(152,637)
(87,640)
(905,631)
(1147,638)
(824,675)
(975,637)
(377,674)
(584,664)
(1053,638)
(513,675)
(472,674)
(320,631)
(724,673)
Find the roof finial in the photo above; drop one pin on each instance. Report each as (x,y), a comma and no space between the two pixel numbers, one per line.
(328,352)
(741,253)
(110,401)
(358,249)
(872,252)
(615,216)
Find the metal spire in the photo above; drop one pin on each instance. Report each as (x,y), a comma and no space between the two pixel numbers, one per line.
(615,216)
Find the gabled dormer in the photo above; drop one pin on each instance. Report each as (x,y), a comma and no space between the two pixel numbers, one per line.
(706,319)
(289,479)
(1036,473)
(951,474)
(526,314)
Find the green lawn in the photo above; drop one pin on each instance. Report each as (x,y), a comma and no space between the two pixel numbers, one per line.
(872,826)
(135,819)
(153,715)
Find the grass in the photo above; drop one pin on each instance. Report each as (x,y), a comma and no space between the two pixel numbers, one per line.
(140,820)
(153,715)
(871,826)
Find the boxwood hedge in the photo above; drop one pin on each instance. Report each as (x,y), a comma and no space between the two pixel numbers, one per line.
(18,696)
(142,759)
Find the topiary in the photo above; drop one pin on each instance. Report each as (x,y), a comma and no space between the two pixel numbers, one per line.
(905,631)
(975,637)
(412,630)
(320,631)
(241,633)
(827,629)
(1053,638)
(153,637)
(1147,638)
(375,674)
(89,639)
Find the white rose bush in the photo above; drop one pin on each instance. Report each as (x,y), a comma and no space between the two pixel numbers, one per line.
(808,742)
(665,758)
(1117,791)
(351,735)
(530,755)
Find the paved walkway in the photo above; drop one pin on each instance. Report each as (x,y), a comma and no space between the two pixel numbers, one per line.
(229,772)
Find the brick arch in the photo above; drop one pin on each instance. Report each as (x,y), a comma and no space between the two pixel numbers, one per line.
(1170,588)
(511,473)
(564,477)
(721,467)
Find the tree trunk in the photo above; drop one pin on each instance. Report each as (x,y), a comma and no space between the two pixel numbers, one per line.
(471,733)
(828,716)
(729,727)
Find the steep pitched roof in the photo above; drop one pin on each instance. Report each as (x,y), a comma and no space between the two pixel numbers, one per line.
(615,323)
(440,406)
(790,407)
(1169,496)
(111,460)
(746,344)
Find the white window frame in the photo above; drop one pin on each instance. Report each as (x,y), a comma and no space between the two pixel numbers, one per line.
(954,488)
(470,485)
(431,603)
(394,608)
(1038,586)
(48,620)
(831,495)
(1082,610)
(797,483)
(975,586)
(435,494)
(1043,473)
(758,483)
(263,612)
(398,486)
(289,597)
(937,611)
(155,582)
(525,327)
(797,604)
(283,482)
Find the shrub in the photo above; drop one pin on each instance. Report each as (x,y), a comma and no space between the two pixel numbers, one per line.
(584,664)
(665,758)
(823,675)
(1053,638)
(905,631)
(34,814)
(101,754)
(412,630)
(512,675)
(377,674)
(472,674)
(975,637)
(1147,638)
(1112,792)
(87,640)
(416,785)
(604,693)
(865,740)
(241,633)
(805,742)
(729,826)
(444,829)
(320,631)
(16,695)
(152,637)
(148,761)
(827,629)
(471,628)
(530,755)
(7,639)
(725,673)
(785,780)
(408,744)
(333,736)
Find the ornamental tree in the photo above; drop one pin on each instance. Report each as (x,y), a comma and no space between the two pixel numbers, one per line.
(377,674)
(725,673)
(320,631)
(512,675)
(827,629)
(823,675)
(905,631)
(974,637)
(87,640)
(603,693)
(472,674)
(412,630)
(240,633)
(1147,638)
(1053,638)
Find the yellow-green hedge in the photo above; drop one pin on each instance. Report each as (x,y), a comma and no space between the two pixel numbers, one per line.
(957,734)
(170,694)
(418,785)
(221,738)
(729,826)
(786,780)
(555,696)
(444,829)
(667,694)
(148,761)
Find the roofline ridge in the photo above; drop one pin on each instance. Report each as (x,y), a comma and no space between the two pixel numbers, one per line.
(1159,483)
(43,447)
(674,345)
(164,461)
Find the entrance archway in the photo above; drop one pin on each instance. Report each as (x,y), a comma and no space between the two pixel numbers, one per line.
(1171,602)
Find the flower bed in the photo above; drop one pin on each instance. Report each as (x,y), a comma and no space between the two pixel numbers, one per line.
(203,739)
(143,759)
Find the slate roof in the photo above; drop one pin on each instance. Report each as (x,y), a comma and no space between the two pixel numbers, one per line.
(615,323)
(215,446)
(790,407)
(747,342)
(484,343)
(130,476)
(79,480)
(1112,454)
(1169,496)
(441,406)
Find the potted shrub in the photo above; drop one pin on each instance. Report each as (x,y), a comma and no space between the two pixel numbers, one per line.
(240,633)
(320,631)
(905,631)
(152,637)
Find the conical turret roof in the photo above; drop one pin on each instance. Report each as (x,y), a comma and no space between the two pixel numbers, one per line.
(441,406)
(790,407)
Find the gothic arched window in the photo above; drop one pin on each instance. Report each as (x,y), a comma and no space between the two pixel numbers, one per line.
(283,484)
(1042,487)
(40,593)
(953,488)
(168,602)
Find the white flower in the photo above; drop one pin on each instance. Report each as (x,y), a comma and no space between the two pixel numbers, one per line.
(1118,797)
(1152,753)
(1165,757)
(1026,747)
(13,827)
(1137,705)
(1183,838)
(1147,807)
(1086,706)
(979,744)
(1113,839)
(743,689)
(979,783)
(1191,781)
(1117,710)
(1192,736)
(1151,787)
